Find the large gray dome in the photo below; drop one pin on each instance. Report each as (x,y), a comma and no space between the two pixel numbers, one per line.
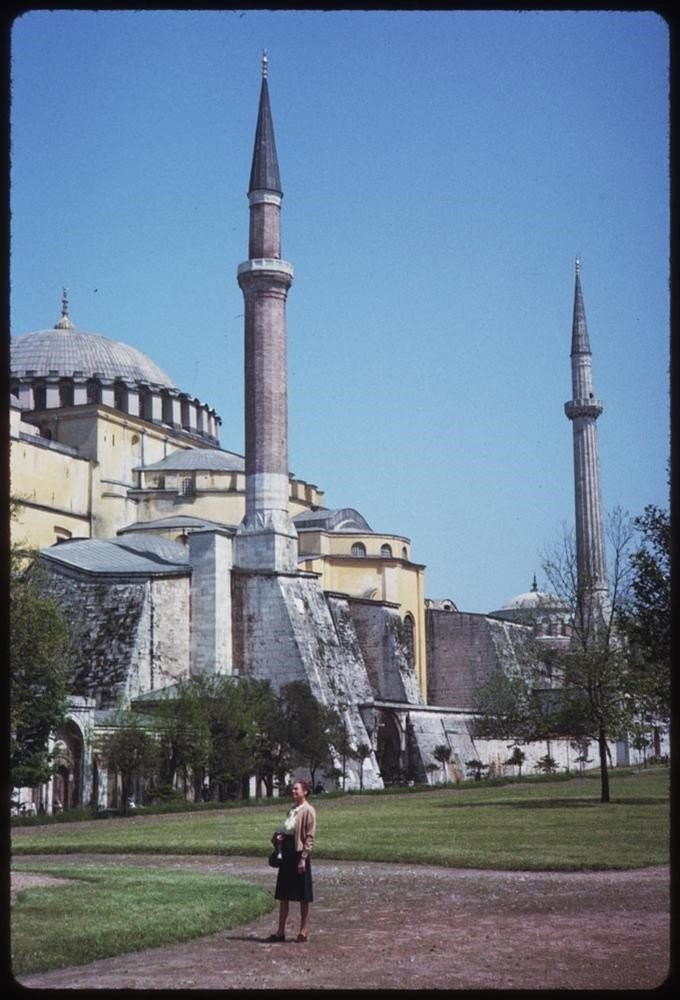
(66,367)
(65,350)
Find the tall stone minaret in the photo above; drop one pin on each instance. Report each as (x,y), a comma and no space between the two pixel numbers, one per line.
(266,538)
(583,411)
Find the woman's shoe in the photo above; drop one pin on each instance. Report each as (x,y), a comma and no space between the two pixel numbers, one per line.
(301,937)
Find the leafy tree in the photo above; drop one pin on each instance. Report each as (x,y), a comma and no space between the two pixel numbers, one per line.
(39,665)
(595,675)
(516,759)
(640,739)
(362,752)
(272,750)
(584,692)
(184,735)
(546,764)
(582,747)
(343,746)
(131,749)
(240,710)
(647,616)
(517,704)
(311,728)
(476,768)
(442,754)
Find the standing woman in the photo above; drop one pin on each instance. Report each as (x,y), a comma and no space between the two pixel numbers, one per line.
(294,881)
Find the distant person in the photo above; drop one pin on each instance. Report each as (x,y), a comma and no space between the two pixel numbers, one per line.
(294,880)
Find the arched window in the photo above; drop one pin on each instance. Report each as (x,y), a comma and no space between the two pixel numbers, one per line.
(404,553)
(386,551)
(359,550)
(409,639)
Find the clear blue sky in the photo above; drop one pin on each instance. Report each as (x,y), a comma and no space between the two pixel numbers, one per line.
(441,171)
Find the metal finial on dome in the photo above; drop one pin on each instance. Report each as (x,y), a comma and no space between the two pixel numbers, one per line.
(534,585)
(264,64)
(64,323)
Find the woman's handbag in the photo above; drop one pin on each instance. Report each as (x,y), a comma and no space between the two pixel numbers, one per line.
(276,857)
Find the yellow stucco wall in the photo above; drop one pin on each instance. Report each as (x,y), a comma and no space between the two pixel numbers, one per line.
(95,495)
(53,491)
(371,577)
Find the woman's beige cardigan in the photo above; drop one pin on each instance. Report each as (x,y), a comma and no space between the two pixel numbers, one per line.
(305,828)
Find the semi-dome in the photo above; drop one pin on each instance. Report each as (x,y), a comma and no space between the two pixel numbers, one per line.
(64,350)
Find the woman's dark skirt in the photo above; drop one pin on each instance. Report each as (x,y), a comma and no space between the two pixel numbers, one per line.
(290,883)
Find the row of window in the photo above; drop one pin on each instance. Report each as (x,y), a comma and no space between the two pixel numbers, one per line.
(359,550)
(94,395)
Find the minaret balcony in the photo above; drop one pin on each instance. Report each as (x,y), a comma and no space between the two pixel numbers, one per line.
(264,265)
(583,408)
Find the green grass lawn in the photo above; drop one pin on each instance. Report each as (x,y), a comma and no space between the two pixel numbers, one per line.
(106,912)
(523,825)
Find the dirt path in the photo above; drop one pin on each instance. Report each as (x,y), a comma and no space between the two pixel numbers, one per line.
(383,926)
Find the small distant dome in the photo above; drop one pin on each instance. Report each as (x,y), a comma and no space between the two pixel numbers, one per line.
(530,603)
(531,599)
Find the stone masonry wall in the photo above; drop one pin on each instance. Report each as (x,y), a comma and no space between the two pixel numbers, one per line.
(380,633)
(283,631)
(127,634)
(170,632)
(463,650)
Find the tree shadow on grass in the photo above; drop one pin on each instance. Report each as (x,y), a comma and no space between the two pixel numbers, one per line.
(556,803)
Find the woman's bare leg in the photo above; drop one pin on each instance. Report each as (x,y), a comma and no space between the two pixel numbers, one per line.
(283,916)
(304,917)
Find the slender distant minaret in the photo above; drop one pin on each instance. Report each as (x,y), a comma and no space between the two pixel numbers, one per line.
(583,411)
(266,538)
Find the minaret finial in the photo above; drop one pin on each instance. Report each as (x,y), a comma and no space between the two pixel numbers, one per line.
(578,265)
(64,323)
(264,64)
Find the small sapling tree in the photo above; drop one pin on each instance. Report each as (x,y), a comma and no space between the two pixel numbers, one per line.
(442,754)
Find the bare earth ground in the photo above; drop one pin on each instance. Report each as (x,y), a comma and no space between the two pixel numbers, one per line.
(385,926)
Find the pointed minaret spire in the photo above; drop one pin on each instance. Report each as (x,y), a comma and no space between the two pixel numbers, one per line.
(583,410)
(64,323)
(266,538)
(264,174)
(579,331)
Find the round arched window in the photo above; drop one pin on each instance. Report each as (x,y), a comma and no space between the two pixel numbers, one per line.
(359,549)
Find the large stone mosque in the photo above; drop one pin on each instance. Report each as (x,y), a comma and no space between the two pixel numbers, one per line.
(172,556)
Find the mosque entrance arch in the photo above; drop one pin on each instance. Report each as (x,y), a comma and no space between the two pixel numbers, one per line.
(389,750)
(67,790)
